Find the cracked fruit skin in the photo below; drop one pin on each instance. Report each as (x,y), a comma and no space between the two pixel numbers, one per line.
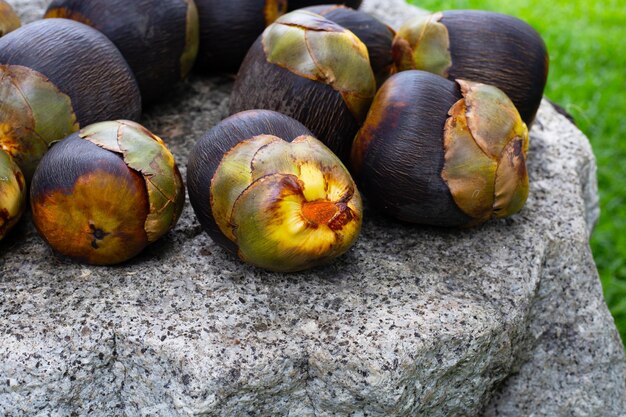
(104,193)
(481,46)
(298,4)
(34,115)
(313,70)
(267,190)
(229,27)
(377,36)
(81,62)
(12,193)
(158,38)
(57,75)
(443,153)
(9,20)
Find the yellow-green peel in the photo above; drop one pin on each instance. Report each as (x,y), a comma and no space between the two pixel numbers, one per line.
(423,43)
(34,113)
(486,145)
(313,47)
(287,206)
(12,193)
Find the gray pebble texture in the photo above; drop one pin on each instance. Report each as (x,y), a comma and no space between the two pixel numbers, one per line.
(507,319)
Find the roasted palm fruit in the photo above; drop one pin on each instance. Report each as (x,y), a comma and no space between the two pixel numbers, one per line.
(12,193)
(313,70)
(229,27)
(265,189)
(158,38)
(298,4)
(485,47)
(377,36)
(9,21)
(48,86)
(438,152)
(104,193)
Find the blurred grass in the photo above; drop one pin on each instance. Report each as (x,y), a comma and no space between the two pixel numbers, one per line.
(588,78)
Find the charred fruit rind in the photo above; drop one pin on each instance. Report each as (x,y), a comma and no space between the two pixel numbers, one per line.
(229,28)
(315,48)
(147,154)
(486,144)
(159,39)
(299,4)
(12,193)
(9,21)
(192,40)
(287,206)
(34,113)
(375,117)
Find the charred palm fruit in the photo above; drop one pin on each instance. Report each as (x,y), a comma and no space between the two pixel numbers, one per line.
(229,27)
(104,193)
(313,70)
(486,47)
(298,4)
(48,86)
(9,21)
(264,188)
(158,38)
(377,36)
(12,193)
(438,152)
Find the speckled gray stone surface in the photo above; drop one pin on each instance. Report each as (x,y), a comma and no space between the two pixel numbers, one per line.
(504,320)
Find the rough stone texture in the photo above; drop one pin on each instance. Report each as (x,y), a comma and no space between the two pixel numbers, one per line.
(503,320)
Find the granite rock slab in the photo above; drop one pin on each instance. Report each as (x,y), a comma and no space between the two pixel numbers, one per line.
(507,319)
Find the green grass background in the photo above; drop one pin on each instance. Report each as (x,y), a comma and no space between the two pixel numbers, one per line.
(586,41)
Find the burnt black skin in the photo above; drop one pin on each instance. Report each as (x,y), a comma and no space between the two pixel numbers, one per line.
(499,50)
(401,172)
(298,4)
(150,34)
(227,30)
(262,85)
(78,157)
(82,63)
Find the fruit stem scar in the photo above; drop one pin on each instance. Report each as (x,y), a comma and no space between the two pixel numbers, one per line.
(98,234)
(319,212)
